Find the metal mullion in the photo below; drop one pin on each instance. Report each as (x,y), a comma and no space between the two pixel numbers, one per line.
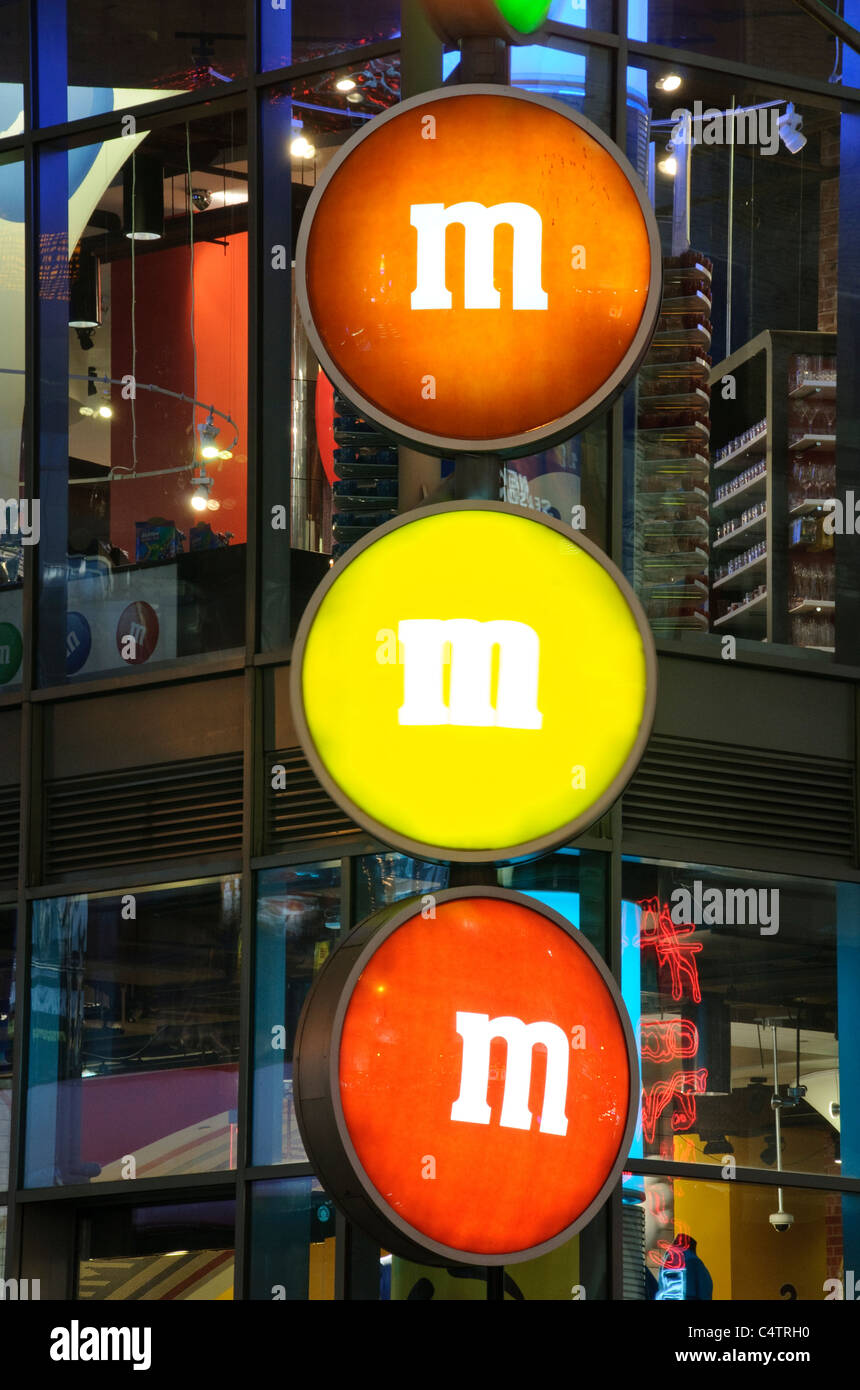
(758,1177)
(122,878)
(727,67)
(151,115)
(180,1186)
(318,852)
(201,669)
(327,62)
(598,38)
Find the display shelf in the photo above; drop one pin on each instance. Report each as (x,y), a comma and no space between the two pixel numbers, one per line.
(825,390)
(743,611)
(813,441)
(683,337)
(674,497)
(756,445)
(686,272)
(741,530)
(688,304)
(810,505)
(678,401)
(693,463)
(813,605)
(697,366)
(757,483)
(729,579)
(694,430)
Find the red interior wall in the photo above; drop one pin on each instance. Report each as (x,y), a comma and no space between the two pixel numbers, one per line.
(164,358)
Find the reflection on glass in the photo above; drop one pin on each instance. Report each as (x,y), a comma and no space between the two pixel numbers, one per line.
(292,1241)
(734,435)
(381,879)
(143,445)
(735,985)
(303,29)
(688,1241)
(753,31)
(555,1277)
(298,926)
(157,1252)
(19,517)
(7,1032)
(572,882)
(134,1042)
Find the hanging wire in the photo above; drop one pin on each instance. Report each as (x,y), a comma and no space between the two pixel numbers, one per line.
(191,246)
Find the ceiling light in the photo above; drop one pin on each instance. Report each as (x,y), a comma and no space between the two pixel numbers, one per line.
(225,453)
(669,165)
(143,209)
(346,84)
(213,504)
(85,301)
(789,127)
(86,410)
(200,485)
(300,148)
(670,83)
(226,197)
(208,432)
(354,96)
(106,411)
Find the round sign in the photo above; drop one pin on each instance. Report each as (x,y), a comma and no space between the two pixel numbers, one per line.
(501,19)
(466,1078)
(474,682)
(79,642)
(137,633)
(479,269)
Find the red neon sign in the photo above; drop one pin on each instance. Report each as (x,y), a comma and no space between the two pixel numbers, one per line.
(658,930)
(663,1039)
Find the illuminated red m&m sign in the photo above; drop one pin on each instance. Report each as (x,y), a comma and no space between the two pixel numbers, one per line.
(466,1078)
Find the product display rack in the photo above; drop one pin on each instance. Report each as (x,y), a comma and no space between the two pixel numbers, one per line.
(365,494)
(671,533)
(773,468)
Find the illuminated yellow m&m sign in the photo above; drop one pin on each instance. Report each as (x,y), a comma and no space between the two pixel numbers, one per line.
(474,682)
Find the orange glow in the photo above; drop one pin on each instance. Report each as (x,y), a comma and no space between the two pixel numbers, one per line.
(495,1187)
(479,373)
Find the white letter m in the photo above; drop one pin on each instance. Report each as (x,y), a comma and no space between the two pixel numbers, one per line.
(477,1032)
(431,221)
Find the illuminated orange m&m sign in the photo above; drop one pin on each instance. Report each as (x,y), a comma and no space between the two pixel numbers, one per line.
(479,270)
(466,1078)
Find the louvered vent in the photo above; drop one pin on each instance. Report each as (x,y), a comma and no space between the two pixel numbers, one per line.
(137,815)
(10,819)
(302,810)
(633,1253)
(748,796)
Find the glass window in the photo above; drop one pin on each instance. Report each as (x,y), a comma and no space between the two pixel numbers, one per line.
(13,46)
(385,878)
(157,1252)
(298,927)
(19,515)
(292,1252)
(742,990)
(573,883)
(134,1034)
(143,443)
(736,436)
(762,33)
(301,30)
(102,57)
(688,1241)
(7,1033)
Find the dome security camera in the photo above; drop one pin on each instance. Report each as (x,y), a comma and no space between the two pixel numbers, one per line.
(781,1221)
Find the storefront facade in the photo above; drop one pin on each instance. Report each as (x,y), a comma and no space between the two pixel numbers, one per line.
(173,875)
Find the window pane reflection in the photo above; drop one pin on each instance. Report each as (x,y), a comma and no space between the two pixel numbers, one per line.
(134,1035)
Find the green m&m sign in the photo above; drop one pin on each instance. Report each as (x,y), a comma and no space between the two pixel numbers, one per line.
(513,20)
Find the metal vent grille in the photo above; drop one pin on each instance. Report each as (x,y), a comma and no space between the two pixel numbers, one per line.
(633,1253)
(750,796)
(137,815)
(10,819)
(302,810)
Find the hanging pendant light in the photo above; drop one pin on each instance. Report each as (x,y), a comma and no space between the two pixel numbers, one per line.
(85,300)
(143,211)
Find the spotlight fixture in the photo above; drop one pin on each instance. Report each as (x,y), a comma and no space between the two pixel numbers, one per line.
(669,83)
(201,199)
(200,485)
(143,210)
(790,130)
(85,410)
(346,84)
(208,432)
(300,148)
(669,165)
(354,96)
(718,1148)
(106,410)
(85,339)
(85,300)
